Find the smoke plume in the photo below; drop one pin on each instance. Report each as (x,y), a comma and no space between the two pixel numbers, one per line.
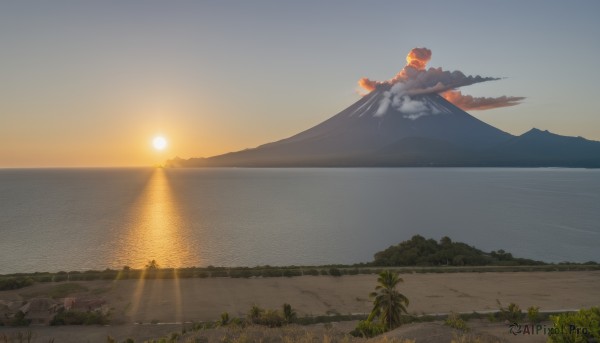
(418,58)
(367,84)
(415,79)
(468,102)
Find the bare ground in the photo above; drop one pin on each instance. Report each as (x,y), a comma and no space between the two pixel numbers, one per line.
(169,301)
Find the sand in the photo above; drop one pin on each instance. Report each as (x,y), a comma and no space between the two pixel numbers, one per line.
(169,301)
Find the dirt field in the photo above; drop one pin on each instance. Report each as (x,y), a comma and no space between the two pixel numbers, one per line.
(175,301)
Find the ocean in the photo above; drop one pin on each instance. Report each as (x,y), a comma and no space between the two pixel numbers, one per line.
(81,219)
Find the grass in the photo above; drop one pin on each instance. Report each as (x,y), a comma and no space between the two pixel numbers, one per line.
(456,322)
(60,290)
(288,334)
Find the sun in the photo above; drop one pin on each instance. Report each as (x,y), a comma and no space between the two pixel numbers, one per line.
(159,143)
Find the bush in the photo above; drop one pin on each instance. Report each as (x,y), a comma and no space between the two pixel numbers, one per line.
(241,273)
(224,318)
(288,313)
(367,329)
(313,272)
(580,327)
(533,314)
(15,283)
(79,318)
(456,322)
(271,318)
(335,272)
(219,273)
(255,313)
(352,271)
(292,272)
(61,276)
(271,273)
(513,313)
(17,320)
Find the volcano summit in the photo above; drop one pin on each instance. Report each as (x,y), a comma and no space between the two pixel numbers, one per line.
(408,121)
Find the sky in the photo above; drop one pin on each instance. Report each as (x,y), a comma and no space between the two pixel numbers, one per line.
(89,84)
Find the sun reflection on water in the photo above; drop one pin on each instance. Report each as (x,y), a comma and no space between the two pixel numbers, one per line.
(154,230)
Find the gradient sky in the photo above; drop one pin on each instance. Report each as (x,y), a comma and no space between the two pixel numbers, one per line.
(90,83)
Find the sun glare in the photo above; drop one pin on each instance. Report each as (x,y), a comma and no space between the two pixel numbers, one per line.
(159,143)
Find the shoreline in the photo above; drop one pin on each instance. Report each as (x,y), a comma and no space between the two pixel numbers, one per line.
(289,271)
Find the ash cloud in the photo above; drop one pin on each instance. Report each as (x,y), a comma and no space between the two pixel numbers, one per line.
(468,102)
(415,79)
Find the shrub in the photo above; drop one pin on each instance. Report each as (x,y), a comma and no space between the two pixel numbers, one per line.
(255,313)
(533,314)
(312,271)
(288,313)
(270,272)
(15,283)
(335,272)
(219,273)
(367,329)
(46,277)
(456,322)
(353,271)
(61,276)
(513,313)
(17,320)
(271,318)
(241,273)
(79,318)
(291,272)
(579,327)
(224,318)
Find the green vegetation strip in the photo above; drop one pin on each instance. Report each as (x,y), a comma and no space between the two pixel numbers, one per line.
(417,255)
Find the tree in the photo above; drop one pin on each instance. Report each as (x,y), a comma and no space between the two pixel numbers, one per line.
(388,303)
(152,265)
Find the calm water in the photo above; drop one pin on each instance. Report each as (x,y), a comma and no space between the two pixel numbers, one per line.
(60,219)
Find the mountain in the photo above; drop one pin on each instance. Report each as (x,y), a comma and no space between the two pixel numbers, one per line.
(543,148)
(420,130)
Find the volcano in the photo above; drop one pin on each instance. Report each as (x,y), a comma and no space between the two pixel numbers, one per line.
(415,130)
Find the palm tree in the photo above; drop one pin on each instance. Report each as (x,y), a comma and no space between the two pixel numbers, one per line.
(152,265)
(388,303)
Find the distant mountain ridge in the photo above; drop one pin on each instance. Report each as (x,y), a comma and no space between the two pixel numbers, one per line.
(417,130)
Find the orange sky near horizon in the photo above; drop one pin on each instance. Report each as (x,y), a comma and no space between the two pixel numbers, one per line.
(90,84)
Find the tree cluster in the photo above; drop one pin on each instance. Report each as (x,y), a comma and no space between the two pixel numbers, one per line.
(419,251)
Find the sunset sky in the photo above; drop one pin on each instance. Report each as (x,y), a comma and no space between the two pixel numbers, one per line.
(91,84)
